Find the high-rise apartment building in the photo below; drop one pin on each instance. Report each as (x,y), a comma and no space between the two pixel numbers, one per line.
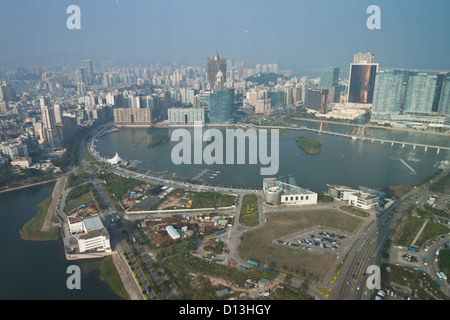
(444,100)
(437,94)
(388,92)
(419,93)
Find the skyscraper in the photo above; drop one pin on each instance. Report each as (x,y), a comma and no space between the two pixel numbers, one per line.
(444,100)
(419,93)
(221,106)
(329,77)
(362,79)
(212,67)
(84,76)
(49,123)
(388,92)
(7,92)
(89,71)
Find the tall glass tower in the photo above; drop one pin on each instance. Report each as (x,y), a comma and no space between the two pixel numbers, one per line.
(329,77)
(221,106)
(89,70)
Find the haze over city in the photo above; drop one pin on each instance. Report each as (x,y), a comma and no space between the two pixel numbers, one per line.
(191,150)
(303,36)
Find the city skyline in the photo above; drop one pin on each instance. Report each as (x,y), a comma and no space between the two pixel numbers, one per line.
(256,32)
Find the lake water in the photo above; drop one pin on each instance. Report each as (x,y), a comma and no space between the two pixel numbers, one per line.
(342,161)
(37,270)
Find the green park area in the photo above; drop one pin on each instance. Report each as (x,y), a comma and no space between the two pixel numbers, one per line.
(117,185)
(249,211)
(109,274)
(409,225)
(32,228)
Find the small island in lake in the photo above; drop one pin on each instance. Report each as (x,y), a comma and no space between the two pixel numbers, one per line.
(308,145)
(158,140)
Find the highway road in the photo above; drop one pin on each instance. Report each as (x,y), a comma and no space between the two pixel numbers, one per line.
(368,250)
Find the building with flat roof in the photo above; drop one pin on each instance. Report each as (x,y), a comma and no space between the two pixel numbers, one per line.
(388,93)
(277,192)
(419,93)
(24,162)
(127,117)
(90,234)
(186,116)
(364,199)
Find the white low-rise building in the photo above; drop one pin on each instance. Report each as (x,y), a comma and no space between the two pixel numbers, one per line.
(363,199)
(76,224)
(90,234)
(173,233)
(277,192)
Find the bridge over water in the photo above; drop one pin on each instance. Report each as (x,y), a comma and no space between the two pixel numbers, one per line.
(392,142)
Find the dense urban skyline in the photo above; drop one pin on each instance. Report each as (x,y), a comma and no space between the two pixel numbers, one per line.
(304,36)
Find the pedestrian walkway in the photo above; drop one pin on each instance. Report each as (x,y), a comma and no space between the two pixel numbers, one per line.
(419,233)
(125,275)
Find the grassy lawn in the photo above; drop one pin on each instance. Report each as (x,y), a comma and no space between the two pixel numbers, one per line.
(119,186)
(430,231)
(444,262)
(216,247)
(249,211)
(211,200)
(32,228)
(396,191)
(442,185)
(409,231)
(257,244)
(355,211)
(408,226)
(199,200)
(83,199)
(109,274)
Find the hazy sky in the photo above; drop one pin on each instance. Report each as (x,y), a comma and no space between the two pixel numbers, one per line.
(297,34)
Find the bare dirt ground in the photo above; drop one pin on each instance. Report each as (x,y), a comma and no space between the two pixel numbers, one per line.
(251,292)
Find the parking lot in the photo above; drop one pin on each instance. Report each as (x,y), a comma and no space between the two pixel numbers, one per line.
(316,239)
